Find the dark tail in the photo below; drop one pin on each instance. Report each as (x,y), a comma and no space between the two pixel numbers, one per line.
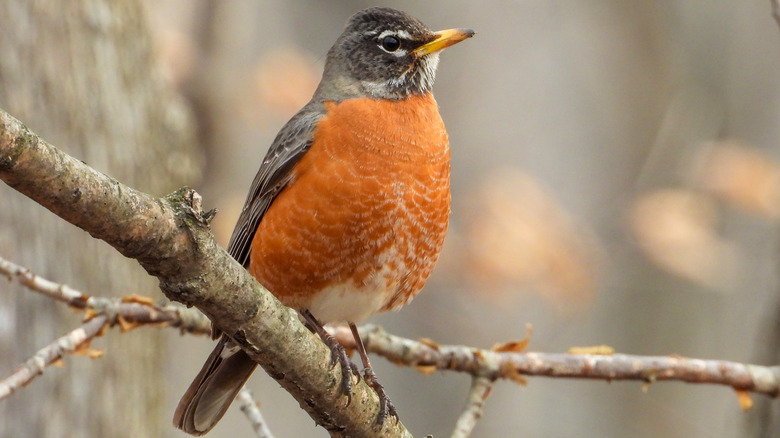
(214,388)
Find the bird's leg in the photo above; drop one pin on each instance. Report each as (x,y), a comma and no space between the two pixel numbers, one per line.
(337,353)
(385,405)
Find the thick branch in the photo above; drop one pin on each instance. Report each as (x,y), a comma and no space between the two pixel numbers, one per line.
(427,356)
(170,238)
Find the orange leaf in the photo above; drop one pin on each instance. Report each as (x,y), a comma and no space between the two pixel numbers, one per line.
(425,369)
(515,346)
(140,299)
(745,402)
(510,346)
(125,325)
(92,353)
(90,313)
(509,371)
(83,350)
(102,330)
(429,342)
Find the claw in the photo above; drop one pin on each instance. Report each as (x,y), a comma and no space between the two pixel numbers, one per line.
(348,368)
(337,354)
(386,407)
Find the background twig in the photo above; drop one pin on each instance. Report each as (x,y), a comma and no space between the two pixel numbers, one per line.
(128,312)
(50,354)
(475,403)
(125,311)
(251,410)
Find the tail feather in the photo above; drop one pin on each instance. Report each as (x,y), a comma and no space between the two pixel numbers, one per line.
(215,387)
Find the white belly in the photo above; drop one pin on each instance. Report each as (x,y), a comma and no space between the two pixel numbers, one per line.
(346,302)
(356,302)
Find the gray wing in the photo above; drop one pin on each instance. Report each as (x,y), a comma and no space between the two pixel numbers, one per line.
(290,144)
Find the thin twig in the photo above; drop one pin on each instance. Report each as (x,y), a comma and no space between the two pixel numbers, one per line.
(128,312)
(776,11)
(251,410)
(428,356)
(33,282)
(480,391)
(34,366)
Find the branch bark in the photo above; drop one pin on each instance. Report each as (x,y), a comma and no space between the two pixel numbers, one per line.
(171,239)
(427,357)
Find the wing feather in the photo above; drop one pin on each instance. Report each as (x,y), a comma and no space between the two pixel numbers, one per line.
(275,173)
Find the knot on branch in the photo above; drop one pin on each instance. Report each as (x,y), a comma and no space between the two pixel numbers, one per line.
(111,308)
(189,202)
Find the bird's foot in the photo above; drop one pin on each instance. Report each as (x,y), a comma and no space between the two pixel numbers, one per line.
(386,407)
(337,354)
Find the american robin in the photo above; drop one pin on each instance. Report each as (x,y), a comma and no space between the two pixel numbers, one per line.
(347,214)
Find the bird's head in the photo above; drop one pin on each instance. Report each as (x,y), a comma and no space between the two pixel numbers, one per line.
(384,53)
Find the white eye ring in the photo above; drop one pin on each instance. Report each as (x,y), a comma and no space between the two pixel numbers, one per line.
(398,36)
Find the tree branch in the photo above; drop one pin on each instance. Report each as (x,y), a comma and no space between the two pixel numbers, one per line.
(171,239)
(485,366)
(34,366)
(128,312)
(251,410)
(478,394)
(428,356)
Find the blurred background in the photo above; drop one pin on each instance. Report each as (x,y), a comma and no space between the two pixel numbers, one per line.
(615,181)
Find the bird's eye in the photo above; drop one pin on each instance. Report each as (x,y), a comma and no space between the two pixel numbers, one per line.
(390,43)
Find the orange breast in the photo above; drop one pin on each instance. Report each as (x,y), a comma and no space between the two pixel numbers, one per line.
(361,225)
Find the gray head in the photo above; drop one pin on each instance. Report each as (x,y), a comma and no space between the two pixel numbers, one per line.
(384,53)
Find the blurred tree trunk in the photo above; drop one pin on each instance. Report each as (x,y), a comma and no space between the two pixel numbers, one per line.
(81,74)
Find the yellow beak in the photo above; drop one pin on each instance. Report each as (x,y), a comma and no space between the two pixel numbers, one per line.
(444,39)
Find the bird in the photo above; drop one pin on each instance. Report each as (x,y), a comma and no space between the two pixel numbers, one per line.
(348,212)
